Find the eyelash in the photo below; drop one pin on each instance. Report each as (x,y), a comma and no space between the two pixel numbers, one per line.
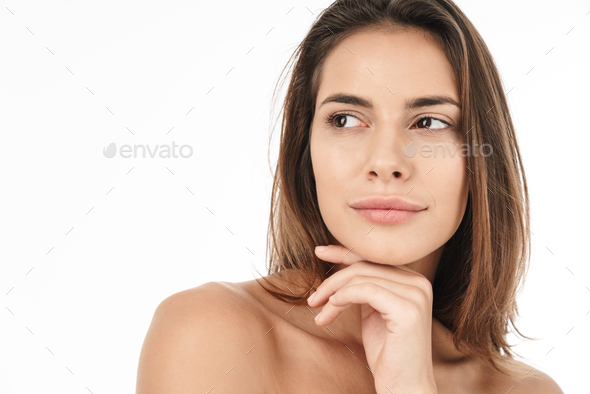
(330,119)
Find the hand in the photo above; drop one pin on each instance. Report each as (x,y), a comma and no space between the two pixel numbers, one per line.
(396,312)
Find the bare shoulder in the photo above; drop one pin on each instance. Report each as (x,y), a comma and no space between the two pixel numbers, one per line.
(535,382)
(208,336)
(528,381)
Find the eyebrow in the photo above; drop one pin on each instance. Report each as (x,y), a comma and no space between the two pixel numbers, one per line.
(411,104)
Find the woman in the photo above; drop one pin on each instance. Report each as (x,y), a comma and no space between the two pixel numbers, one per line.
(398,153)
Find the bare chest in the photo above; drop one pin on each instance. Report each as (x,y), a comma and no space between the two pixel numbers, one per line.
(303,360)
(306,364)
(309,365)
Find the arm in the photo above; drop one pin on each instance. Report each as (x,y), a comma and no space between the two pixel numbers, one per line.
(198,340)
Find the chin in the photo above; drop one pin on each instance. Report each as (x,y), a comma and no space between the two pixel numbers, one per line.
(392,244)
(385,250)
(389,257)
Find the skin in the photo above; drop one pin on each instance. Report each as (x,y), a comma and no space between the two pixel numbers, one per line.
(366,158)
(384,272)
(361,155)
(377,304)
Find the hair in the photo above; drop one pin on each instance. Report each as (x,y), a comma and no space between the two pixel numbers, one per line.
(483,263)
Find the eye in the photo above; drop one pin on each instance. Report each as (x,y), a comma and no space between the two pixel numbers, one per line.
(338,120)
(427,122)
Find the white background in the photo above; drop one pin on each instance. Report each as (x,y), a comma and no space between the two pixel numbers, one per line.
(91,245)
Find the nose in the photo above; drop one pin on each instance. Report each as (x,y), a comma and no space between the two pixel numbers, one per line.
(385,156)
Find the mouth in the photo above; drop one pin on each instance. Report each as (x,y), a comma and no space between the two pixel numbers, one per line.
(386,216)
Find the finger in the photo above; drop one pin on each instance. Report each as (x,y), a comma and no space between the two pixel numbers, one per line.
(339,254)
(362,268)
(328,288)
(332,312)
(382,300)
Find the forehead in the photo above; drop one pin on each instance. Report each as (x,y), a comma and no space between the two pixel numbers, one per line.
(406,62)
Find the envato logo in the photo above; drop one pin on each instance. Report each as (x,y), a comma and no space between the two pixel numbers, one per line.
(465,150)
(164,151)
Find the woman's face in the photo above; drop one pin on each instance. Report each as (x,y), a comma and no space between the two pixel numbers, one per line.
(361,154)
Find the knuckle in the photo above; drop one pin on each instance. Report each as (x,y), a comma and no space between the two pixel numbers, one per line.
(425,286)
(411,311)
(417,294)
(358,279)
(368,287)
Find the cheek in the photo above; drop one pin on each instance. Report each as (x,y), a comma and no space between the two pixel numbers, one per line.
(447,183)
(334,173)
(332,168)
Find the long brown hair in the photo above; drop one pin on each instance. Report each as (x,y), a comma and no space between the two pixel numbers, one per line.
(484,262)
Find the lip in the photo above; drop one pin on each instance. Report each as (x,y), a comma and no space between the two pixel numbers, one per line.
(386,210)
(379,202)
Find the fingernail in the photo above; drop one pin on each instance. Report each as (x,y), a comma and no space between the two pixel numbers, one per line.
(317,318)
(321,248)
(311,297)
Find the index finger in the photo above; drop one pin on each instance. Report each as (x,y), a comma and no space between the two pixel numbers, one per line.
(339,254)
